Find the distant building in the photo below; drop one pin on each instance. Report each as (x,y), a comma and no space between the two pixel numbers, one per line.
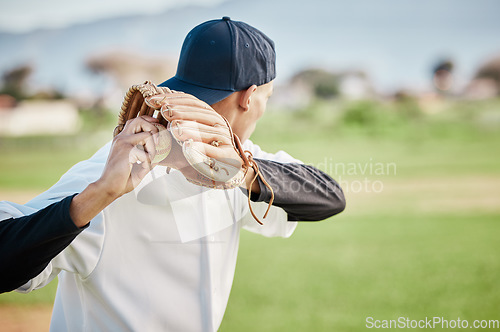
(291,96)
(481,88)
(356,85)
(486,82)
(310,84)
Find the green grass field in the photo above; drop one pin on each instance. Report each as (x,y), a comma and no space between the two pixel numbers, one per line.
(419,238)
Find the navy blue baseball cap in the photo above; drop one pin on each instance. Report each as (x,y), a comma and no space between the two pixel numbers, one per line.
(219,57)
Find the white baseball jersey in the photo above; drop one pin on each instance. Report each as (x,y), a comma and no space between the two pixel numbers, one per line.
(160,258)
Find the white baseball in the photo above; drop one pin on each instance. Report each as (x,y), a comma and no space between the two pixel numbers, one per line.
(164,144)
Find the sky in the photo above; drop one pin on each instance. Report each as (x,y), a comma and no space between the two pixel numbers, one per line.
(396,42)
(27,15)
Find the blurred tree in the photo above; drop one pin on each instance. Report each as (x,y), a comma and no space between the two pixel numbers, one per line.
(406,106)
(14,82)
(324,84)
(49,94)
(361,113)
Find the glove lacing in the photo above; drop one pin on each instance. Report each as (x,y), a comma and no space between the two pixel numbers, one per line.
(249,162)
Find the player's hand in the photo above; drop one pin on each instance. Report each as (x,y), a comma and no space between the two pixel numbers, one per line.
(130,156)
(128,162)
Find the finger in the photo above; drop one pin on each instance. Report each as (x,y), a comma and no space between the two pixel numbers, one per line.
(201,115)
(149,118)
(138,156)
(185,99)
(144,141)
(225,154)
(181,96)
(177,99)
(156,101)
(137,173)
(136,139)
(142,123)
(199,132)
(149,145)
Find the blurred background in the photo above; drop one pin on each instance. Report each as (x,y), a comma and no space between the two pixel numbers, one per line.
(397,100)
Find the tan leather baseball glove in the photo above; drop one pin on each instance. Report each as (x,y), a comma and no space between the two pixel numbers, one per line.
(205,149)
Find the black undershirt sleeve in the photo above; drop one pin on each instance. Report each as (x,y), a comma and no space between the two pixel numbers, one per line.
(29,243)
(303,191)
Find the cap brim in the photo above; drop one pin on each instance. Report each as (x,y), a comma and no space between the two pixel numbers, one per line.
(209,96)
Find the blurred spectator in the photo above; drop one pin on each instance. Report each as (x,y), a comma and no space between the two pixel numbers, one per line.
(443,76)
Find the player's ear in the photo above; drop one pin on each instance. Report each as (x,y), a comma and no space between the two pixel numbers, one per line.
(246,97)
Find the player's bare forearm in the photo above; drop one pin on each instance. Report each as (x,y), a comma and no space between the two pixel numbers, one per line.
(87,204)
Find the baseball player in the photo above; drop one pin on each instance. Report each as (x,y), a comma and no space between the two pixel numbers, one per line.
(162,257)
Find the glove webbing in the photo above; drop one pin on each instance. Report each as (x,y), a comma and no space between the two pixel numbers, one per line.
(248,159)
(134,106)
